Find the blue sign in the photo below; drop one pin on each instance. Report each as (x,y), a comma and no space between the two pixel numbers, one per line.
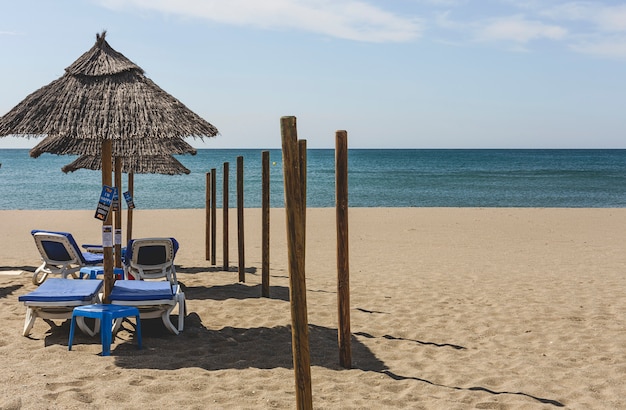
(129,200)
(104,204)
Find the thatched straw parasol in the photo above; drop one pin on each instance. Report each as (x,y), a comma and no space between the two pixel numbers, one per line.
(104,95)
(104,105)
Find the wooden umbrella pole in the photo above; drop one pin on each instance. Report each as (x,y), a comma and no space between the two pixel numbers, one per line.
(107,231)
(118,213)
(129,210)
(294,210)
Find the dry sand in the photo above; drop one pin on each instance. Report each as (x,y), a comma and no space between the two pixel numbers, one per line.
(451,309)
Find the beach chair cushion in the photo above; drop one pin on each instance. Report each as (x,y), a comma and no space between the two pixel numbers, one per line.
(63,290)
(134,290)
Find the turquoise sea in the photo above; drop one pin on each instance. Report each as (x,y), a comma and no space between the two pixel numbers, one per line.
(377,178)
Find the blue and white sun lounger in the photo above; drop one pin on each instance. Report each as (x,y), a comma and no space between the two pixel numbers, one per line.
(56,299)
(153,299)
(61,255)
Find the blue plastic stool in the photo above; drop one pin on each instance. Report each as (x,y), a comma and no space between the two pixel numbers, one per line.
(94,271)
(106,314)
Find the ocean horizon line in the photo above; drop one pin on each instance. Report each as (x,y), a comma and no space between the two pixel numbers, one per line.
(392,148)
(535,178)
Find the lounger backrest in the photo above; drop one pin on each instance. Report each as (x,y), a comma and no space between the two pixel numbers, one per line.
(58,247)
(153,255)
(152,258)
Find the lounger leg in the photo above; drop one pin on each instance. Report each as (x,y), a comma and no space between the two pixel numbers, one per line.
(85,329)
(31,315)
(117,324)
(181,311)
(167,322)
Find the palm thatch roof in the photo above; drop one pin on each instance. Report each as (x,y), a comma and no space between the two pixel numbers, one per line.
(104,95)
(157,164)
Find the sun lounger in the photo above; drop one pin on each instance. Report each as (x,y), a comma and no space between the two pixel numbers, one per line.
(60,254)
(56,299)
(154,299)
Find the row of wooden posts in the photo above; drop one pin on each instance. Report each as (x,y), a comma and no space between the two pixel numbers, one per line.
(211,220)
(295,183)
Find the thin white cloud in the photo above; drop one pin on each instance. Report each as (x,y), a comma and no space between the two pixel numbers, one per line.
(519,30)
(576,10)
(602,17)
(589,27)
(607,48)
(443,2)
(600,28)
(345,19)
(612,18)
(584,26)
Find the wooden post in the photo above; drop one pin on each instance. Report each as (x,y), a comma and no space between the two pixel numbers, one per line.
(225,217)
(265,224)
(213,215)
(129,210)
(240,229)
(118,213)
(107,229)
(343,262)
(296,233)
(207,215)
(302,158)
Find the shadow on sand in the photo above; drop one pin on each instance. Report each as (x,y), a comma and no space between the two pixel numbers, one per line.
(7,290)
(233,291)
(241,348)
(193,270)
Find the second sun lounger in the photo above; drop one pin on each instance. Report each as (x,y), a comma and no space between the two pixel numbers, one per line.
(56,299)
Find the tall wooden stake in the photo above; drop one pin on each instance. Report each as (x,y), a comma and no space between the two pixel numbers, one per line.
(343,261)
(107,229)
(225,218)
(265,225)
(302,158)
(296,231)
(207,215)
(240,228)
(213,215)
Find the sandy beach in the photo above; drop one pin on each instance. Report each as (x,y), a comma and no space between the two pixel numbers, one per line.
(451,308)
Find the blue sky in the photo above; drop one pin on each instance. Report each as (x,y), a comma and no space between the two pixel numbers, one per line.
(394,74)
